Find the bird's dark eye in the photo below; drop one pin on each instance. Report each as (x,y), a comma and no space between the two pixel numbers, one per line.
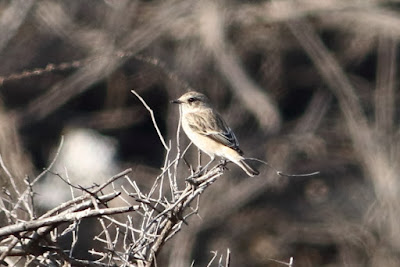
(192,99)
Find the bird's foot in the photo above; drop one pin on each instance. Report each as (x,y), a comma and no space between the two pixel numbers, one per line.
(222,164)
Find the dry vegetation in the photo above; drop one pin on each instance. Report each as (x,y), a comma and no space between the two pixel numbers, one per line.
(307,85)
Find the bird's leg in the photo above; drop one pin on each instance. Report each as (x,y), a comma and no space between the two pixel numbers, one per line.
(202,170)
(206,166)
(190,167)
(223,162)
(194,177)
(199,161)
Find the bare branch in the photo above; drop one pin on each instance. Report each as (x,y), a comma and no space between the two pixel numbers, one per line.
(152,118)
(62,218)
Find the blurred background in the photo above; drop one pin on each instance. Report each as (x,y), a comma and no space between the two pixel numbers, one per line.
(307,85)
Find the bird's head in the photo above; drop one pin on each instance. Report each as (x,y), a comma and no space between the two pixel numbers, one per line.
(192,101)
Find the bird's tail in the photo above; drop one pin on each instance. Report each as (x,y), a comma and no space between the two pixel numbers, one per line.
(247,168)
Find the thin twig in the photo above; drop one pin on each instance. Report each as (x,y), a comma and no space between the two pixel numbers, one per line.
(75,237)
(152,118)
(11,178)
(212,259)
(228,258)
(22,197)
(290,263)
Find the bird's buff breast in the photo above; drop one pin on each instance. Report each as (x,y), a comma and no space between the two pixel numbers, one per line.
(208,145)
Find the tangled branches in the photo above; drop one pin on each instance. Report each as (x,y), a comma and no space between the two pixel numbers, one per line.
(135,238)
(130,234)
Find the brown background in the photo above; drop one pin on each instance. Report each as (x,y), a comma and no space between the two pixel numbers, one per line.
(306,85)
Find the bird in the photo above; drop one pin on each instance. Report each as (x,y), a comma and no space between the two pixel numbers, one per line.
(205,127)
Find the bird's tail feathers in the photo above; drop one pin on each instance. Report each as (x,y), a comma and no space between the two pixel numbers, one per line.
(251,171)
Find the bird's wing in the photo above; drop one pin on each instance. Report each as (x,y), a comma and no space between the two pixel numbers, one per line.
(211,124)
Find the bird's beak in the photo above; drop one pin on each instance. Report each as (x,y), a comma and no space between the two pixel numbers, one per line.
(176,101)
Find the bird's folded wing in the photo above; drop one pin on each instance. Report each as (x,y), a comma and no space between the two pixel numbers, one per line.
(212,125)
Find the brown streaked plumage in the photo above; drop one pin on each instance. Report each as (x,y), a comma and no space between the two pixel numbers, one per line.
(209,132)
